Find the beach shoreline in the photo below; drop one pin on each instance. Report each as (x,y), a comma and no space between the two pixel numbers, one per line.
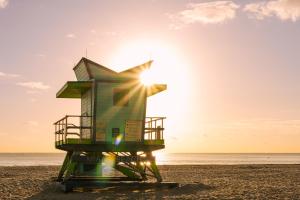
(259,181)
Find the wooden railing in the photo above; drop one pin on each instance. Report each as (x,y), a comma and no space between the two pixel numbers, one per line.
(73,126)
(80,127)
(154,128)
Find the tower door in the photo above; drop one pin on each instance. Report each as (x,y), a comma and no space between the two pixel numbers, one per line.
(86,115)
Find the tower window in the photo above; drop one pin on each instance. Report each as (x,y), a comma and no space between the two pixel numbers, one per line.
(120,97)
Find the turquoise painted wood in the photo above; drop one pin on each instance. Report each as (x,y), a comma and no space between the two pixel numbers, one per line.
(81,71)
(110,116)
(113,104)
(112,129)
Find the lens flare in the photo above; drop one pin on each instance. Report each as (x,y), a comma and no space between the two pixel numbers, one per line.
(108,164)
(118,139)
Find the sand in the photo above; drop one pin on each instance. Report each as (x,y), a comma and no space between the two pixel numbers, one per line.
(196,182)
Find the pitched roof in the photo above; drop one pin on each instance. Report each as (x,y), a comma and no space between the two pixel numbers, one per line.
(86,60)
(138,68)
(97,71)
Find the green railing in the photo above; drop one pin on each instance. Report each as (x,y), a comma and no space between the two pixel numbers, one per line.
(154,128)
(77,129)
(73,127)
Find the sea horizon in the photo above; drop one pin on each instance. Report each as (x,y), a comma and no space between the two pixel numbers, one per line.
(43,159)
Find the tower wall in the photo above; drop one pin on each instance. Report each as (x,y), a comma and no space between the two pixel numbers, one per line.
(112,117)
(81,72)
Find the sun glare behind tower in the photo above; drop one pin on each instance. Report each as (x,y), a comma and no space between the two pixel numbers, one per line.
(112,132)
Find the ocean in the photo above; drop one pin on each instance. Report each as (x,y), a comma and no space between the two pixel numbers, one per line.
(37,159)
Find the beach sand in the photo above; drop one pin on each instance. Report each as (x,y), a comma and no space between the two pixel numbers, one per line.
(196,182)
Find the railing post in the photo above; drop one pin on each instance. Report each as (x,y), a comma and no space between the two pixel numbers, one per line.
(162,126)
(151,127)
(66,122)
(80,129)
(55,134)
(62,126)
(59,129)
(155,131)
(91,128)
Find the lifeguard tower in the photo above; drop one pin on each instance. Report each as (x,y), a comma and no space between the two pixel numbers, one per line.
(112,126)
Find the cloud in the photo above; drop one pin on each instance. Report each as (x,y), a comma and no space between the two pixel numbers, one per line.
(33,100)
(3,3)
(2,74)
(173,138)
(32,123)
(206,13)
(110,33)
(32,92)
(34,85)
(40,55)
(283,9)
(71,36)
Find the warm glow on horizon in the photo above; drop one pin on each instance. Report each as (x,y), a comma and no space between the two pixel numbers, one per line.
(231,69)
(159,156)
(168,67)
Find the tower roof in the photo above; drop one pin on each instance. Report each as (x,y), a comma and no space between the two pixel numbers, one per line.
(87,69)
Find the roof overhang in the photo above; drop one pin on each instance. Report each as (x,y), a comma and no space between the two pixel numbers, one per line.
(155,88)
(74,89)
(134,72)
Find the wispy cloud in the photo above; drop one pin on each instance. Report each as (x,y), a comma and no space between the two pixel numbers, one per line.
(34,85)
(71,36)
(32,123)
(32,92)
(2,74)
(173,138)
(3,3)
(41,55)
(283,9)
(206,13)
(110,33)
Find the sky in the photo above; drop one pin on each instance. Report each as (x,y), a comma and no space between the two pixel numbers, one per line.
(232,68)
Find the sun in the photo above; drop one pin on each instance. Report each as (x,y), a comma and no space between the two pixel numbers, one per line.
(147,78)
(169,67)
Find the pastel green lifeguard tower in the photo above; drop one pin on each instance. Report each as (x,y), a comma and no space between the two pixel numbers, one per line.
(112,126)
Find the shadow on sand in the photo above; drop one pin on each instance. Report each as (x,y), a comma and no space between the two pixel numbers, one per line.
(184,191)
